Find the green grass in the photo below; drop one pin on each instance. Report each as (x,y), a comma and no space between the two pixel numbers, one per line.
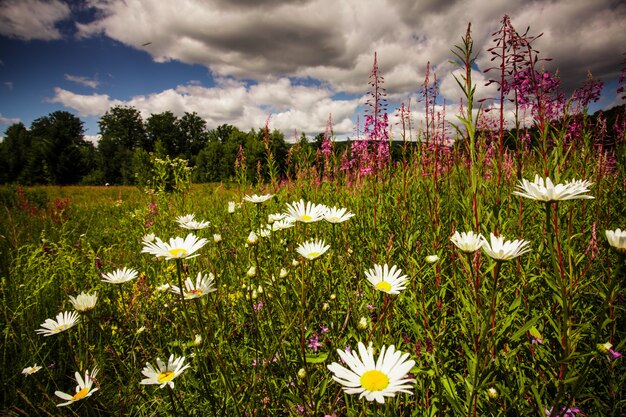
(257,362)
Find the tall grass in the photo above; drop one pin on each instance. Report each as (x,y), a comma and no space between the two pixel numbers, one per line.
(489,337)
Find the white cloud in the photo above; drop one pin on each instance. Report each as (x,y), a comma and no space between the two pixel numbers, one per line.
(85,105)
(8,120)
(304,108)
(86,81)
(334,42)
(303,54)
(32,19)
(93,139)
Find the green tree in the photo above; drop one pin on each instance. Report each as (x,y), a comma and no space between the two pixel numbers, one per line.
(14,150)
(193,135)
(59,137)
(163,130)
(122,130)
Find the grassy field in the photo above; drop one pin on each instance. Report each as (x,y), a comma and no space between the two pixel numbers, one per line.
(519,336)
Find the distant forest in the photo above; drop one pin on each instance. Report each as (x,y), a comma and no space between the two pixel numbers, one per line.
(53,150)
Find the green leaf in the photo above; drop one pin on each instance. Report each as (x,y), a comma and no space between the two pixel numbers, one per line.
(317,358)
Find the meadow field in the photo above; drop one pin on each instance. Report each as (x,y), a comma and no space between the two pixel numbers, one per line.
(477,273)
(489,332)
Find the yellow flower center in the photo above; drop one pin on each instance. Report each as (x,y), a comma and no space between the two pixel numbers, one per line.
(306,218)
(80,394)
(178,252)
(383,286)
(166,376)
(62,327)
(194,293)
(374,380)
(313,255)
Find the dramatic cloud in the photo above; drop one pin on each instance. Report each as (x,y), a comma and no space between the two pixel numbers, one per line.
(32,19)
(290,106)
(87,82)
(335,41)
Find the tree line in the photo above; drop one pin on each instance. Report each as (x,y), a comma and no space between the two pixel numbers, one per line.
(54,151)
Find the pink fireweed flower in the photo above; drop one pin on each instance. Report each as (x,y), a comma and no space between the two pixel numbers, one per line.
(565,412)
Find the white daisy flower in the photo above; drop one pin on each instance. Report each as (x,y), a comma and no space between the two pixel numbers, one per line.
(371,379)
(119,276)
(163,373)
(386,280)
(30,370)
(545,190)
(64,320)
(501,250)
(264,232)
(148,238)
(83,389)
(177,248)
(337,215)
(467,242)
(283,224)
(271,218)
(257,199)
(189,222)
(84,302)
(312,249)
(306,213)
(617,239)
(203,286)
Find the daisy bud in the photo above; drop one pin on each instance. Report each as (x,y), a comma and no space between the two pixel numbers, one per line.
(325,307)
(301,373)
(198,340)
(295,263)
(283,272)
(431,259)
(217,238)
(492,393)
(253,239)
(362,323)
(251,272)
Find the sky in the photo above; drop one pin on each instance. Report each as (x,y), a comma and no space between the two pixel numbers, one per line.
(295,61)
